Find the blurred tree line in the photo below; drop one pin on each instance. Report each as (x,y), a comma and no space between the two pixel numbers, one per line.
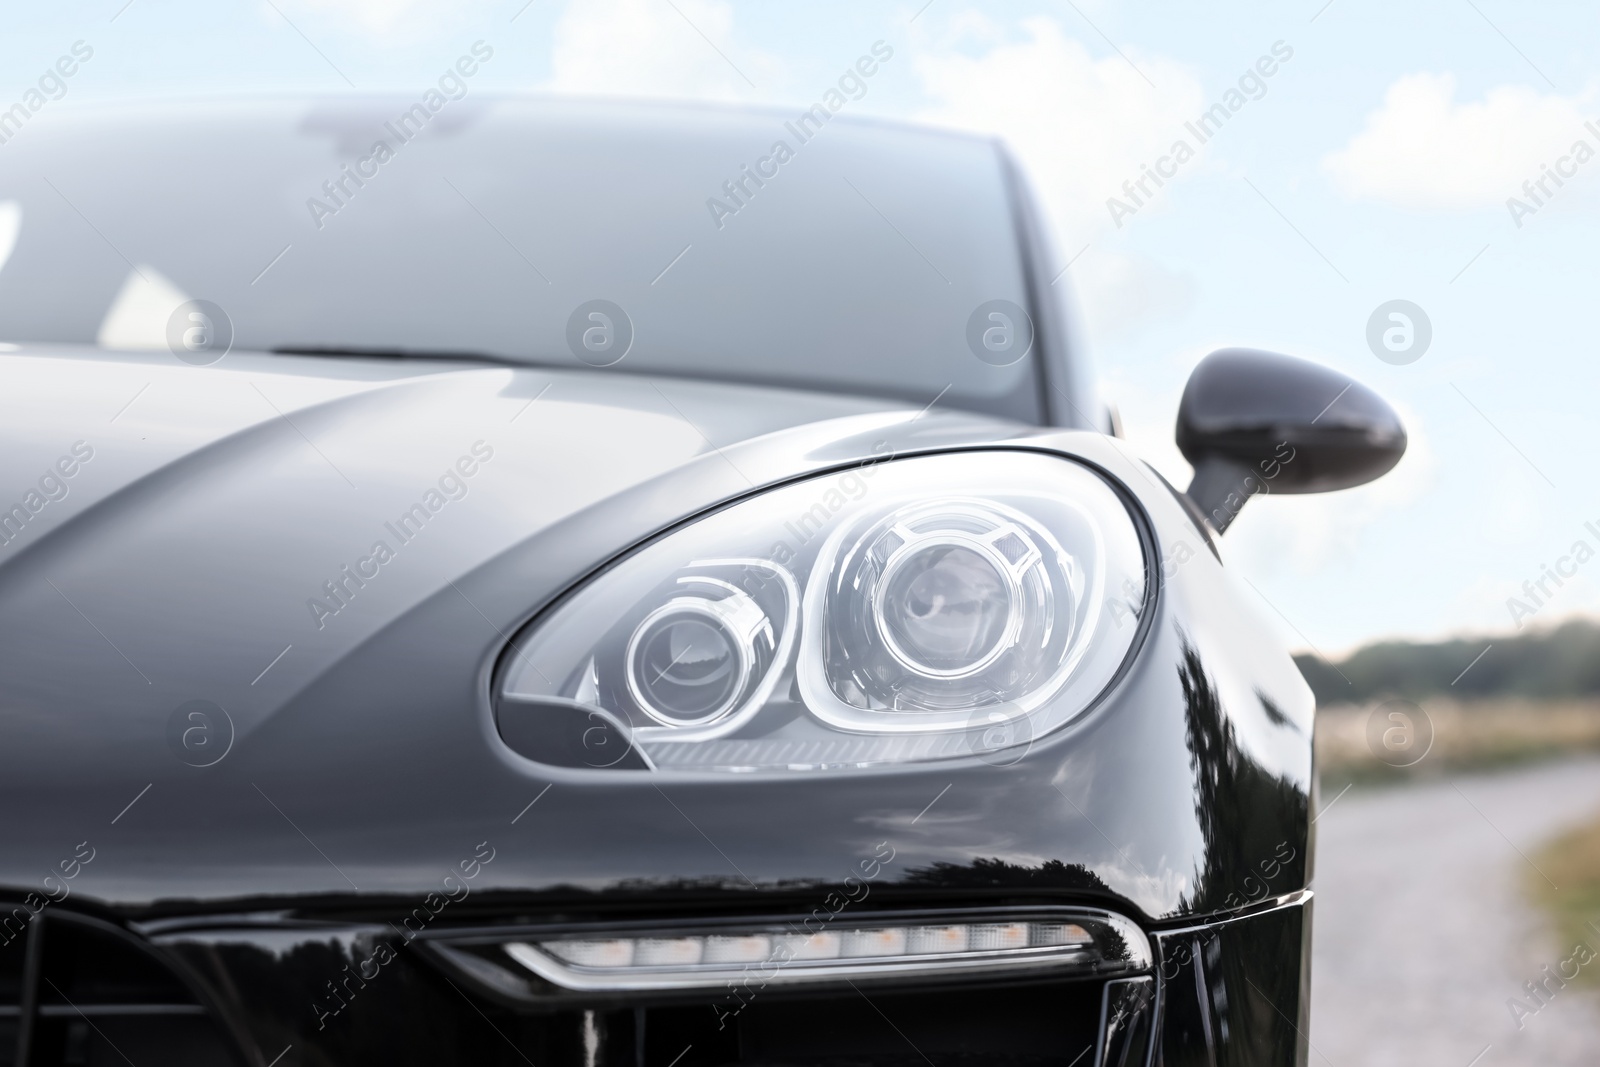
(1557,664)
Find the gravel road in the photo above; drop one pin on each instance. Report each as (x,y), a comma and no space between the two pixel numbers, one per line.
(1422,932)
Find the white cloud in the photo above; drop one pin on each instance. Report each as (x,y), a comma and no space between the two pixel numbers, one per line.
(1423,149)
(1081,126)
(646,48)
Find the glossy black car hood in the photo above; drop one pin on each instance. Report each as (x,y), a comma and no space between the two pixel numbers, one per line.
(209,505)
(188,558)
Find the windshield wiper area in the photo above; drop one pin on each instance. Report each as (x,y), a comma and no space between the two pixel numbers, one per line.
(385,352)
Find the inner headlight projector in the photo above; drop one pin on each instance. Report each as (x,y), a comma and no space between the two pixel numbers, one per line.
(918,609)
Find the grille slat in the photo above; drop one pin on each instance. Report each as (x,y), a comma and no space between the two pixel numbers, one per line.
(80,992)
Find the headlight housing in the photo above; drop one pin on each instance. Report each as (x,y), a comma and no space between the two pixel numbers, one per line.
(925,608)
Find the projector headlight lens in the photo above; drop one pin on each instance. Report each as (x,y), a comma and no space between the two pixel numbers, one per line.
(944,608)
(689,660)
(926,608)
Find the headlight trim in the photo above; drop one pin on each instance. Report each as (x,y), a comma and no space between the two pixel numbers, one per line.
(1142,596)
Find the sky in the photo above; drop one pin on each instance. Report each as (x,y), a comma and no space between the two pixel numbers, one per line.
(1383,158)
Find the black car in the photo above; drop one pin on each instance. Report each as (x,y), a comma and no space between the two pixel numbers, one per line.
(507,581)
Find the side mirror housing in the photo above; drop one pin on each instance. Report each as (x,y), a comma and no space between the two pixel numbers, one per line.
(1256,422)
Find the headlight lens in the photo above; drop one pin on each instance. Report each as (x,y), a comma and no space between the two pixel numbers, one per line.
(945,608)
(919,609)
(690,660)
(942,607)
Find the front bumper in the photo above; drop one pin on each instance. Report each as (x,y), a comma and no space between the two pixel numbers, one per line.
(273,989)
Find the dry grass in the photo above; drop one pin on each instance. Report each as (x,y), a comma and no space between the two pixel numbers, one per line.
(1474,734)
(1572,862)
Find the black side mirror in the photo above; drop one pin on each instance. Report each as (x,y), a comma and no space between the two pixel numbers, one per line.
(1256,422)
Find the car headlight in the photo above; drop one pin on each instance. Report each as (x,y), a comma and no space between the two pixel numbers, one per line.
(925,608)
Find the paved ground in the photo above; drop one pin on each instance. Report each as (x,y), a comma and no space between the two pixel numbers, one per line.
(1422,933)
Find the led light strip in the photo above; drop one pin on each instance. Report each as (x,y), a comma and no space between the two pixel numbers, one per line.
(1081,942)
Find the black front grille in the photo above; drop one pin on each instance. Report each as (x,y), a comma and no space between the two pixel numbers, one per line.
(1049,1025)
(364,995)
(78,991)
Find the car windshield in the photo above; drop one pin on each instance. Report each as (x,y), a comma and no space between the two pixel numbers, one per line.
(738,245)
